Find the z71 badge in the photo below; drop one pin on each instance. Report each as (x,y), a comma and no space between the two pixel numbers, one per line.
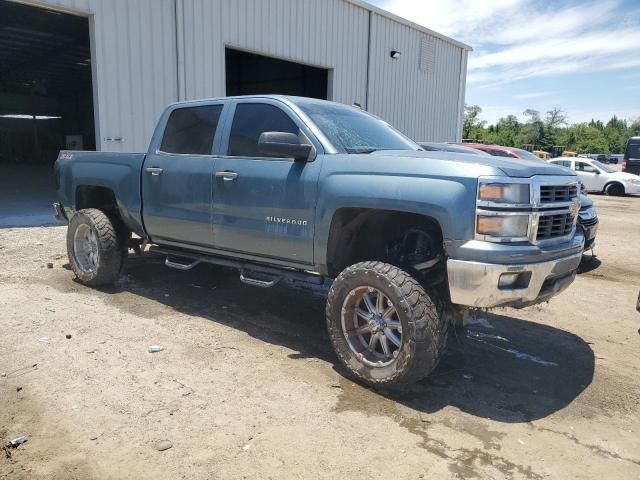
(287,221)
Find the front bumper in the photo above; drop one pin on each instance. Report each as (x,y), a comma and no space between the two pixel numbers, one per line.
(632,188)
(476,284)
(589,230)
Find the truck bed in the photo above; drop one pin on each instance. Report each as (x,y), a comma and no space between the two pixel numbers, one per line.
(118,172)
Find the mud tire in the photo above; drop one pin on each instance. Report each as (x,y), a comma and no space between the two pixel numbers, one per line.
(111,238)
(424,329)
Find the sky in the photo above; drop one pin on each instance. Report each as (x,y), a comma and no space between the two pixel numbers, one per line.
(581,56)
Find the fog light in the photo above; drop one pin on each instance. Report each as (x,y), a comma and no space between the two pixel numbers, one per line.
(511,281)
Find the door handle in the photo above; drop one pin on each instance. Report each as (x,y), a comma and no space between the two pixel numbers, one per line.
(227,175)
(153,170)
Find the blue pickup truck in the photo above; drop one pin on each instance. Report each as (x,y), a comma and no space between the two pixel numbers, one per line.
(315,191)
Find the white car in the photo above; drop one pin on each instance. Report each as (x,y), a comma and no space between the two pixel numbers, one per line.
(598,177)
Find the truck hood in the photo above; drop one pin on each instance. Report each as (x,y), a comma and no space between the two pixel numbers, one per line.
(510,167)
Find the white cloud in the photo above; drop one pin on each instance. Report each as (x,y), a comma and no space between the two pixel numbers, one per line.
(518,39)
(530,95)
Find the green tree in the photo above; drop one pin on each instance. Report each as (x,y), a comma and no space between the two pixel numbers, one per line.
(590,137)
(472,126)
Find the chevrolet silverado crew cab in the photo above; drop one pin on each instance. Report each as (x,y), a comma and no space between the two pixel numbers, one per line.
(314,191)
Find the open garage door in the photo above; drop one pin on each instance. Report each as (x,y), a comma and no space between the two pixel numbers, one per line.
(46,100)
(251,74)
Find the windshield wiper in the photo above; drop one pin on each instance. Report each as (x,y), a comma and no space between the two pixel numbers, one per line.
(364,150)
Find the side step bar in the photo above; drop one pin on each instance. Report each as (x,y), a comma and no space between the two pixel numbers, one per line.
(180,266)
(267,280)
(250,273)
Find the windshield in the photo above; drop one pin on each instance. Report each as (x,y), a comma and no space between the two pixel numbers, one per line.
(351,130)
(526,155)
(602,166)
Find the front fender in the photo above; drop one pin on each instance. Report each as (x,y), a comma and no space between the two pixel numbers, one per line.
(449,201)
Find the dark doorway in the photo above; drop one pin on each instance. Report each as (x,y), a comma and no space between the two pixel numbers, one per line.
(46,97)
(251,74)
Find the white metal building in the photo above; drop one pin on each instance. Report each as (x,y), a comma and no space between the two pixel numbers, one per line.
(129,58)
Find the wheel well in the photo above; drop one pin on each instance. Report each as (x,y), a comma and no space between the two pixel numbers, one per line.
(613,182)
(401,238)
(101,198)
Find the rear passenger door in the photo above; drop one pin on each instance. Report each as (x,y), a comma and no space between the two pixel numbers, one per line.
(177,178)
(263,206)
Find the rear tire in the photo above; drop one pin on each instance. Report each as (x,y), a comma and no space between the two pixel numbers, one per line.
(614,189)
(96,247)
(410,329)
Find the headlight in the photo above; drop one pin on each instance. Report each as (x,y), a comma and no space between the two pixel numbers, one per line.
(514,193)
(506,226)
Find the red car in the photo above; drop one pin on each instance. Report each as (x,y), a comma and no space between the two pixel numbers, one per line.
(500,151)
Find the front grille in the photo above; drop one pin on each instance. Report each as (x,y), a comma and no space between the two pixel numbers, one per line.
(558,193)
(553,226)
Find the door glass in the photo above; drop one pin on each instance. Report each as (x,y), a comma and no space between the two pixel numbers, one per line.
(584,167)
(191,130)
(251,120)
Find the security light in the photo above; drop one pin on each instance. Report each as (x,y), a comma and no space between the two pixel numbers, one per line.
(395,54)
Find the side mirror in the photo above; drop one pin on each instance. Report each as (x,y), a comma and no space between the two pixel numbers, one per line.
(597,172)
(284,144)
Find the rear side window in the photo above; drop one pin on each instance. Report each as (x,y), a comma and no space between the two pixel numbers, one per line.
(251,120)
(500,153)
(191,130)
(633,149)
(562,163)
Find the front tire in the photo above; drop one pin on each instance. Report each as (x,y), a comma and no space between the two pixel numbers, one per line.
(384,327)
(614,189)
(96,247)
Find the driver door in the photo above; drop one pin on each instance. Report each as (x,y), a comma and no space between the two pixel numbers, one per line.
(263,205)
(589,176)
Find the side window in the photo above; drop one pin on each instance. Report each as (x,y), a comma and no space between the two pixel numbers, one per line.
(584,167)
(499,153)
(191,130)
(251,120)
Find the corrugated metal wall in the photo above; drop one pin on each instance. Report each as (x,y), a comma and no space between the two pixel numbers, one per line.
(148,53)
(327,33)
(423,104)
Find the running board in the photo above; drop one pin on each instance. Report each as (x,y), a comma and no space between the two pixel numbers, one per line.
(255,274)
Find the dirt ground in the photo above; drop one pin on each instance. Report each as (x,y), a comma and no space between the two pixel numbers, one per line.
(248,386)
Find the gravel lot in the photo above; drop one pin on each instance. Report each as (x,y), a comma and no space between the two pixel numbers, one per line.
(248,387)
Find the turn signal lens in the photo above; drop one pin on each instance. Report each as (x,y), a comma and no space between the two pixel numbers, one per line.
(508,226)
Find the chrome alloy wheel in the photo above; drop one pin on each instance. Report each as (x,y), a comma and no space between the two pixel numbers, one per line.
(371,326)
(85,248)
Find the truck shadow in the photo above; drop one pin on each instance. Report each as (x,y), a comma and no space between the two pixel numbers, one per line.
(497,367)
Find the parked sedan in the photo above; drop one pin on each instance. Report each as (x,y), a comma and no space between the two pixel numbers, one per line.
(500,151)
(598,177)
(448,147)
(588,221)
